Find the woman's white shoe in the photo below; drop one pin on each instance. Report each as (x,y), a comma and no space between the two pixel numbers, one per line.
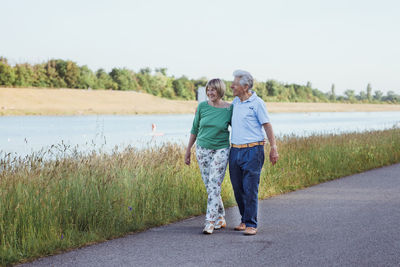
(208,229)
(221,223)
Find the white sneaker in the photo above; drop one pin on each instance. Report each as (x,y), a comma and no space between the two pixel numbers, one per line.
(208,229)
(221,223)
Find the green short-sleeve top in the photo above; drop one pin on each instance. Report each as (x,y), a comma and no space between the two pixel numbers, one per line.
(210,125)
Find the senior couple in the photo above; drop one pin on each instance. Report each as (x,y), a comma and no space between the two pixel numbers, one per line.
(247,116)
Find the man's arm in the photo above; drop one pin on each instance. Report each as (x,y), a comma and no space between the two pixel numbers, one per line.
(273,154)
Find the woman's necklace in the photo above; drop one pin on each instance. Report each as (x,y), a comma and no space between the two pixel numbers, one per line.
(216,105)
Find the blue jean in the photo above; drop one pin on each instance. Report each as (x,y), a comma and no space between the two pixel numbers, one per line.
(245,168)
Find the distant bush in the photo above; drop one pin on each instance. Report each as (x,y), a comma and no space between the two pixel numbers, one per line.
(7,73)
(59,73)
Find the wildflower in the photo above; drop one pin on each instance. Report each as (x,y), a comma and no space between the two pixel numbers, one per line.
(62,236)
(130,208)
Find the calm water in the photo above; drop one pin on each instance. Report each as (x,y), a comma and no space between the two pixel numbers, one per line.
(25,134)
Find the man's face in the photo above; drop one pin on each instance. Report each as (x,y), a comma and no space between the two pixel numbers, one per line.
(237,88)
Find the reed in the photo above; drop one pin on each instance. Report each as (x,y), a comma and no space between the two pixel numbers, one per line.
(79,198)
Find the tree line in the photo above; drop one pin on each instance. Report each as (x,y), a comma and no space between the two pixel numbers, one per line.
(58,73)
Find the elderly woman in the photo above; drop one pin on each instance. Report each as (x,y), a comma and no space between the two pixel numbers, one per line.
(246,158)
(210,129)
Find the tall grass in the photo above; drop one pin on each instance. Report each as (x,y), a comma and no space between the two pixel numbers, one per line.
(76,199)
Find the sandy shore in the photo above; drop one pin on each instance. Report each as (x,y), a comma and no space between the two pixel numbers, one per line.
(32,101)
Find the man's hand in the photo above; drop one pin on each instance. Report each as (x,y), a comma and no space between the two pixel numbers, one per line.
(273,155)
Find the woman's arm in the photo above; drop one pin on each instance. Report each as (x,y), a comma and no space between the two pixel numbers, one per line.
(193,135)
(192,139)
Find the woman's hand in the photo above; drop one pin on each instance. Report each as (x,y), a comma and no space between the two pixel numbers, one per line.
(192,139)
(187,157)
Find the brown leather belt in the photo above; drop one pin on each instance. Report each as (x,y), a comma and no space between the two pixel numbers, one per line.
(261,143)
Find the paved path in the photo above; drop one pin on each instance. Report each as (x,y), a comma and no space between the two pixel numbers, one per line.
(353,221)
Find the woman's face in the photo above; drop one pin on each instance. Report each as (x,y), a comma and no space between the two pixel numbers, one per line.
(212,94)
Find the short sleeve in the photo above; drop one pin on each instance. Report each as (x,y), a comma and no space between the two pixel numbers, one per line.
(262,113)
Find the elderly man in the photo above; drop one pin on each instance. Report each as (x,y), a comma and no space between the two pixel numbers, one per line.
(246,158)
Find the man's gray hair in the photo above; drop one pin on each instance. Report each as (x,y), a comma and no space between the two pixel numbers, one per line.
(245,78)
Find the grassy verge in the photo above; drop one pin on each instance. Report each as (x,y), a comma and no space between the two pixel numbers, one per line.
(48,206)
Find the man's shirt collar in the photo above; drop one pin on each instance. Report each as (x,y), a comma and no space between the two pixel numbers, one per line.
(251,98)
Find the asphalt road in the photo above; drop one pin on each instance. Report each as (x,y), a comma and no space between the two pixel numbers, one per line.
(353,221)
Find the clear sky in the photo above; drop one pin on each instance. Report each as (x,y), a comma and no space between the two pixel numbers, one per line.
(346,42)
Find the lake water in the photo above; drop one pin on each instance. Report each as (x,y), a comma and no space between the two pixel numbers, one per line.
(22,135)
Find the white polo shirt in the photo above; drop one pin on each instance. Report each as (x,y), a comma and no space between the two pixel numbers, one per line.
(247,120)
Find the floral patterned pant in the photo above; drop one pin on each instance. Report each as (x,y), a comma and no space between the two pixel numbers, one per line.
(212,163)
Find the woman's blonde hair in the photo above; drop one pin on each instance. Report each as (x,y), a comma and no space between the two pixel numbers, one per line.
(218,85)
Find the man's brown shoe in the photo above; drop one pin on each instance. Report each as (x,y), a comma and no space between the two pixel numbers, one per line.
(240,227)
(250,231)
